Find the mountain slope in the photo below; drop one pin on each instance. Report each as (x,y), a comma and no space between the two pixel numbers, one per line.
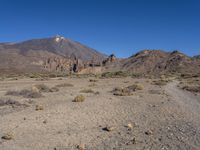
(157,62)
(34,55)
(57,45)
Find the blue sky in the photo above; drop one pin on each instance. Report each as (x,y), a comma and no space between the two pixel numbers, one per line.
(122,27)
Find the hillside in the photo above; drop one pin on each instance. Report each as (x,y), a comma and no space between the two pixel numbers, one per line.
(38,54)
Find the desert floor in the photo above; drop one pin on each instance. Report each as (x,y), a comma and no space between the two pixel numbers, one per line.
(162,118)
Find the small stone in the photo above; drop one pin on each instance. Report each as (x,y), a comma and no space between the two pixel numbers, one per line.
(130,126)
(7,136)
(81,147)
(45,121)
(39,107)
(109,129)
(149,132)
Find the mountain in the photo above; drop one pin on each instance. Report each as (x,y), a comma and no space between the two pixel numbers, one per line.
(38,54)
(157,62)
(59,54)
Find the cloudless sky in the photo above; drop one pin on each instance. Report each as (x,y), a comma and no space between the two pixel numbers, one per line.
(122,27)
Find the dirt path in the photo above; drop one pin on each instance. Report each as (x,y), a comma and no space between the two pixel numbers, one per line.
(188,101)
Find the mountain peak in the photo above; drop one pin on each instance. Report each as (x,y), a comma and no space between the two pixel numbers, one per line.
(58,38)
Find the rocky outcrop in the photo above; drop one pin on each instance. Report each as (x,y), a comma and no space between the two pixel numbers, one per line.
(111,59)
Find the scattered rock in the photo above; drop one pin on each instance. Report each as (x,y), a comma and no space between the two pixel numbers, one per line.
(149,132)
(129,126)
(81,147)
(109,128)
(45,121)
(8,136)
(39,107)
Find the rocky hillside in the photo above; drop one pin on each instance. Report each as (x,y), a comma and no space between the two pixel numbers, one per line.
(157,61)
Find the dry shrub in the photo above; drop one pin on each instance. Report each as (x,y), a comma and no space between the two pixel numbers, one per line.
(160,82)
(54,89)
(8,101)
(42,79)
(64,85)
(79,98)
(92,85)
(25,93)
(127,91)
(136,87)
(192,88)
(93,80)
(117,74)
(87,91)
(42,88)
(122,91)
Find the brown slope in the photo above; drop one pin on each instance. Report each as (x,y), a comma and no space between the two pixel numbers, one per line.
(44,54)
(157,62)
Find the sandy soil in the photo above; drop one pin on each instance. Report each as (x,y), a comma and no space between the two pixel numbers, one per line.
(162,117)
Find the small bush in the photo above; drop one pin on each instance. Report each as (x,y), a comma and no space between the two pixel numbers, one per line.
(192,88)
(8,101)
(42,88)
(13,93)
(87,91)
(79,98)
(160,82)
(117,74)
(93,80)
(32,94)
(42,79)
(135,87)
(64,85)
(127,91)
(54,89)
(25,93)
(92,85)
(122,92)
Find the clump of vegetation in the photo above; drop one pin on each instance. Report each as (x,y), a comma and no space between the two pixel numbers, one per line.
(136,87)
(64,85)
(87,91)
(25,93)
(54,89)
(117,74)
(122,92)
(42,79)
(160,82)
(8,101)
(42,88)
(92,85)
(79,98)
(93,80)
(190,84)
(192,88)
(127,91)
(30,94)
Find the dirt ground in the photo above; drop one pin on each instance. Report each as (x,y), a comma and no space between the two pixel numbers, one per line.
(162,117)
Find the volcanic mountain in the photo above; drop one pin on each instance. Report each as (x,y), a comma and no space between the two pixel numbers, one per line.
(33,55)
(157,62)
